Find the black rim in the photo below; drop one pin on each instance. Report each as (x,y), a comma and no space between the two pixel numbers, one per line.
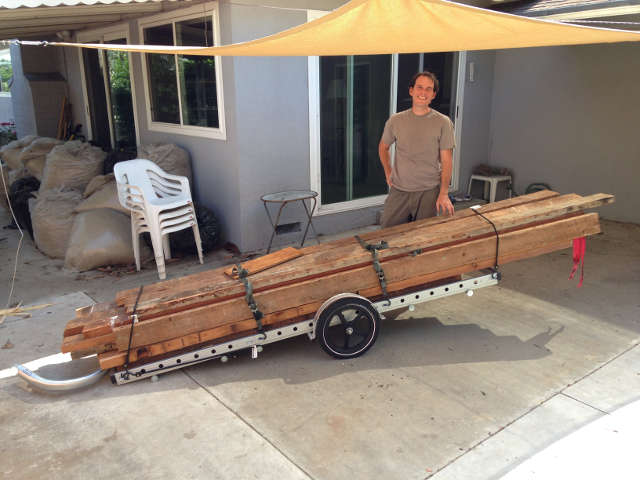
(349,329)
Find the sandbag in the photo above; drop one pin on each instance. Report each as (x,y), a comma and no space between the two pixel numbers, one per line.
(169,157)
(105,197)
(101,237)
(11,151)
(72,165)
(97,183)
(34,156)
(52,217)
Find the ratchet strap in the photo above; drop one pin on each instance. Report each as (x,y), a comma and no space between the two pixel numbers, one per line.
(373,248)
(475,210)
(579,249)
(243,275)
(134,320)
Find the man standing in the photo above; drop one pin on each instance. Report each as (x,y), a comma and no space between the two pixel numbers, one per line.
(424,138)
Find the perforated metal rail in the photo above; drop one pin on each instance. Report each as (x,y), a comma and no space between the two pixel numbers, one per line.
(255,342)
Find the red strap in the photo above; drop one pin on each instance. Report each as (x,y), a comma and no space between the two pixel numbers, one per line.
(579,249)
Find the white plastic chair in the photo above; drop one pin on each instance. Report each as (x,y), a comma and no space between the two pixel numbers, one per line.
(160,203)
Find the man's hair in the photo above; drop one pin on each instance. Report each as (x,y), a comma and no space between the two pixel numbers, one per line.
(425,73)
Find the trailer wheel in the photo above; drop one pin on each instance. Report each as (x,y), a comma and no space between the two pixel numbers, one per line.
(348,327)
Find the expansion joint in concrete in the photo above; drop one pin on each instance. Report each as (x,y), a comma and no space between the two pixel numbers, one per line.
(583,403)
(247,423)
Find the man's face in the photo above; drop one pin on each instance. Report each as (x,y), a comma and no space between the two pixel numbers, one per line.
(422,92)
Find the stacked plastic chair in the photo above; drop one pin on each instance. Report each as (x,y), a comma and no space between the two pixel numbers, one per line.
(160,203)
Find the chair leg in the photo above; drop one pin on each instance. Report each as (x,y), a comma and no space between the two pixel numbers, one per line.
(196,236)
(159,254)
(135,240)
(166,246)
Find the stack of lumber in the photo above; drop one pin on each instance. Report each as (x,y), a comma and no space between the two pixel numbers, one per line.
(292,284)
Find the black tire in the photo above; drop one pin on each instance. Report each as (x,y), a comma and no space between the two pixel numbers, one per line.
(348,327)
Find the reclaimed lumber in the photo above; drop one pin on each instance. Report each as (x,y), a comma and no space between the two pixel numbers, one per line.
(200,308)
(180,287)
(429,266)
(174,296)
(282,303)
(264,262)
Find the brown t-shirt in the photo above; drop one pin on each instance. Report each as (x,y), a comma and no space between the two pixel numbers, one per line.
(419,139)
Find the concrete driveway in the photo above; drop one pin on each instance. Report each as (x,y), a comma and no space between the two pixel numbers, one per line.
(461,388)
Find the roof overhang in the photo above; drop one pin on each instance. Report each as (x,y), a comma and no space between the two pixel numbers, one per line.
(569,9)
(57,19)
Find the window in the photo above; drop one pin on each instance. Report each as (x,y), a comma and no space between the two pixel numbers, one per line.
(184,91)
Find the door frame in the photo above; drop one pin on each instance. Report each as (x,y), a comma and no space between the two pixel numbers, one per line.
(102,35)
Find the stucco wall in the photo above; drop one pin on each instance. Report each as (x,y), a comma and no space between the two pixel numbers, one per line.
(568,116)
(476,119)
(23,110)
(6,107)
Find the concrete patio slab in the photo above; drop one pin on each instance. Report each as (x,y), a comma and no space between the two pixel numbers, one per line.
(460,388)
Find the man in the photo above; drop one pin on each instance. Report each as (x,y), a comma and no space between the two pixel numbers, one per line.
(424,138)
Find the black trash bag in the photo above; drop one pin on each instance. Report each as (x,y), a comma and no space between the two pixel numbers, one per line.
(20,192)
(116,156)
(182,242)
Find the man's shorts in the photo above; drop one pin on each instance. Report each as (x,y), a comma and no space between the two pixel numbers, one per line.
(403,207)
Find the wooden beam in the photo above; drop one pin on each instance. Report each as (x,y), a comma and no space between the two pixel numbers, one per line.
(474,255)
(176,295)
(515,246)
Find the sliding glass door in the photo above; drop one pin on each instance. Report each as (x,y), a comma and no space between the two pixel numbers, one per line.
(354,105)
(351,97)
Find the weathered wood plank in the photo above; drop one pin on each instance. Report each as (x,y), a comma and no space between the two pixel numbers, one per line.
(85,315)
(475,254)
(354,256)
(162,291)
(459,214)
(589,226)
(265,262)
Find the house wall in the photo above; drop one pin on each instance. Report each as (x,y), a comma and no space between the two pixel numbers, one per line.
(23,111)
(568,116)
(272,130)
(6,107)
(45,97)
(476,118)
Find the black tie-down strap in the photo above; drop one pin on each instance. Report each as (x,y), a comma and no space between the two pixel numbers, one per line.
(134,319)
(248,288)
(495,268)
(373,248)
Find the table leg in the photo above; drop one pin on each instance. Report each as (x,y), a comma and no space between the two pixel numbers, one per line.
(309,221)
(274,225)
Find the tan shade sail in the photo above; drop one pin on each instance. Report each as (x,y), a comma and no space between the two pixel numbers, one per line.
(363,27)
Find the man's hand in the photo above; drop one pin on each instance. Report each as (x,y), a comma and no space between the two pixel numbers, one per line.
(444,205)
